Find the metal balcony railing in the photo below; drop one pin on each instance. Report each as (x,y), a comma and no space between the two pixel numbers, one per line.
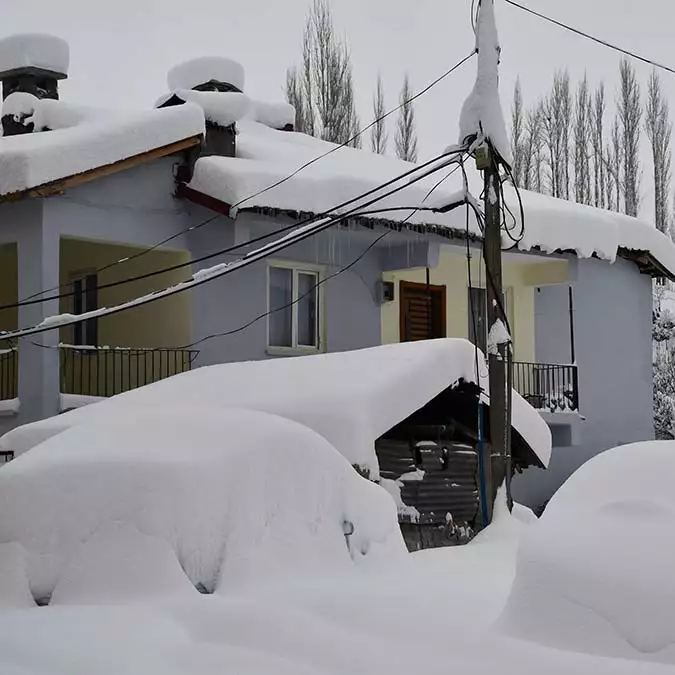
(89,371)
(546,386)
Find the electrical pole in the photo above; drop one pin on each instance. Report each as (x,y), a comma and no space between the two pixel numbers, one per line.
(500,417)
(482,121)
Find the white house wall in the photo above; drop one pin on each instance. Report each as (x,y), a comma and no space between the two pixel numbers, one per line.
(612,319)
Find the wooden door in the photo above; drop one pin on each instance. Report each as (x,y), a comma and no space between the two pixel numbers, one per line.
(422,312)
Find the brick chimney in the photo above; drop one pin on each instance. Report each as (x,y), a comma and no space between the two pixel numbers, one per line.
(30,64)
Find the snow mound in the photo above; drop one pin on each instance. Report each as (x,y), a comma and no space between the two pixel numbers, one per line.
(595,573)
(37,50)
(191,74)
(222,108)
(255,495)
(19,105)
(120,565)
(14,590)
(350,398)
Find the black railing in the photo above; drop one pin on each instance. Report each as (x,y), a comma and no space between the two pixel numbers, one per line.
(108,371)
(545,386)
(9,370)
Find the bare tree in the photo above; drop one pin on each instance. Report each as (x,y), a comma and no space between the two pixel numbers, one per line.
(582,143)
(378,132)
(518,133)
(323,90)
(659,131)
(629,111)
(598,140)
(613,163)
(406,136)
(295,96)
(532,150)
(556,123)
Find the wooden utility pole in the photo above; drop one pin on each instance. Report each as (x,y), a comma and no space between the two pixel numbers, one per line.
(497,468)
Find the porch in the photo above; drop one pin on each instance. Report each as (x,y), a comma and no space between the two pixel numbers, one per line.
(61,370)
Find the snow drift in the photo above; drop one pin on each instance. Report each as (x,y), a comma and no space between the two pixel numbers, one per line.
(238,496)
(595,574)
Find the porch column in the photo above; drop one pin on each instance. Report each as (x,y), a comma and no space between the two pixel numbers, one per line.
(38,268)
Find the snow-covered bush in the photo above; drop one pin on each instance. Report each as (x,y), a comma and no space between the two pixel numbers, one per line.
(595,573)
(238,496)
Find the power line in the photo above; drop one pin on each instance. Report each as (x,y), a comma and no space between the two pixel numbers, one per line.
(588,36)
(205,276)
(236,247)
(274,185)
(325,280)
(348,142)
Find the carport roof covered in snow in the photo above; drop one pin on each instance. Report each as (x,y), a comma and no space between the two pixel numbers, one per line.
(350,398)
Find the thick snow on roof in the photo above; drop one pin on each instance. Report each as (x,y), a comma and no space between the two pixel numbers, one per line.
(350,398)
(266,156)
(234,496)
(595,574)
(37,50)
(560,225)
(201,70)
(84,139)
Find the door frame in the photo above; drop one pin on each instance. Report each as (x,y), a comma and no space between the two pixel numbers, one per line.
(416,286)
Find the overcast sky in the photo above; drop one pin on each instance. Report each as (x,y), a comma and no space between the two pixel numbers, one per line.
(120,51)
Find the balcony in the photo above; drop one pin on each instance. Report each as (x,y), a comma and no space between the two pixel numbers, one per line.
(547,387)
(97,372)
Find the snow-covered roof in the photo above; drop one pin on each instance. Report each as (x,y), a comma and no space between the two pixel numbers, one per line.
(350,398)
(85,138)
(266,156)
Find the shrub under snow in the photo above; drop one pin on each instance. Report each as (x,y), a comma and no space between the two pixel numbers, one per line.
(596,573)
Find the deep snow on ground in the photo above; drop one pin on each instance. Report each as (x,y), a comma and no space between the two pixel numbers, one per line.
(597,574)
(110,517)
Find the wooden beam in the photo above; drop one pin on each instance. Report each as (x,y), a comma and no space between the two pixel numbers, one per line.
(61,185)
(196,197)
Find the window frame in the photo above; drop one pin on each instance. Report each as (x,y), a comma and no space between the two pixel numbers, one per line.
(85,333)
(297,269)
(508,302)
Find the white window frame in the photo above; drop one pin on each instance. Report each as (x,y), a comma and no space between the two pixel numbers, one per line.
(297,269)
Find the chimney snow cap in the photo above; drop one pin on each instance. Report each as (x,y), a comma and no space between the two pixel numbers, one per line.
(38,51)
(201,71)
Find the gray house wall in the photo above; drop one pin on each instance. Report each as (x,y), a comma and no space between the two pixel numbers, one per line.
(612,319)
(351,312)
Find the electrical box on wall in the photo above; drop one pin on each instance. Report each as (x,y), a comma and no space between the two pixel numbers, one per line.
(386,291)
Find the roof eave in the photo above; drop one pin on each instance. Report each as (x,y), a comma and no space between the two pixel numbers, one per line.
(59,186)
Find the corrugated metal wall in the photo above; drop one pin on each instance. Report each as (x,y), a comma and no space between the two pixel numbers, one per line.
(438,476)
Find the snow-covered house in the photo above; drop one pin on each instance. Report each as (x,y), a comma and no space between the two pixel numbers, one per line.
(91,198)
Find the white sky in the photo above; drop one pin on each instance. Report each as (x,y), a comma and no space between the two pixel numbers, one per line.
(121,51)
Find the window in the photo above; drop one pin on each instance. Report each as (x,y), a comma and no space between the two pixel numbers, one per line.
(85,299)
(478,322)
(294,308)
